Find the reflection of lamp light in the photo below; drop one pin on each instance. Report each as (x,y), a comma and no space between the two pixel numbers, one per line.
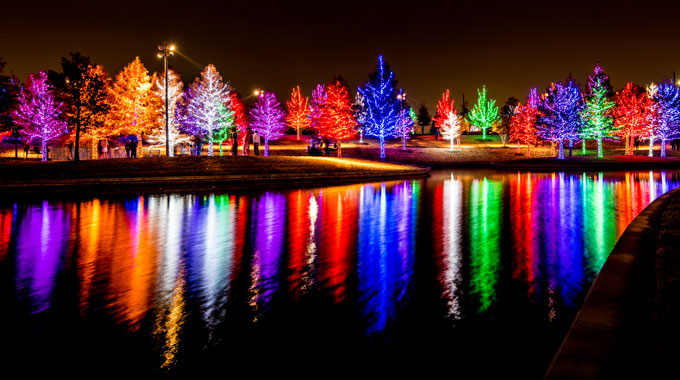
(166,51)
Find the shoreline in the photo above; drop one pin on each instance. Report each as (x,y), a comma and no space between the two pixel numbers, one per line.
(193,174)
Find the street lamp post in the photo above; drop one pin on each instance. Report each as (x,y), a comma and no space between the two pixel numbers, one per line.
(166,51)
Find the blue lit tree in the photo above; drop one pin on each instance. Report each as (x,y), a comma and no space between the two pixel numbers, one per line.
(560,109)
(382,107)
(667,100)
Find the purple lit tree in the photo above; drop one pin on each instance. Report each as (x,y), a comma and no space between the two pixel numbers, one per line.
(268,118)
(560,109)
(207,104)
(317,106)
(667,98)
(39,113)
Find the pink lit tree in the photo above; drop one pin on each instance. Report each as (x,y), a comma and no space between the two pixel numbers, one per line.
(268,118)
(39,113)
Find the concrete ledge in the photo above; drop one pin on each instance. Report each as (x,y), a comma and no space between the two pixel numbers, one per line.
(604,339)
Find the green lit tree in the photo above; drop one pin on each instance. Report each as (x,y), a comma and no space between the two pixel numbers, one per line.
(598,122)
(485,113)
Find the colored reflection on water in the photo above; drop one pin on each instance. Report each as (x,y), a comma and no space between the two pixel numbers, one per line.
(494,264)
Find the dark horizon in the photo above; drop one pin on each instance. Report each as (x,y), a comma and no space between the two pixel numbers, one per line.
(509,48)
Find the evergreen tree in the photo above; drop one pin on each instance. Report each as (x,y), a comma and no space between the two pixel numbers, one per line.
(229,127)
(598,123)
(9,93)
(207,106)
(485,113)
(424,118)
(298,111)
(268,118)
(560,114)
(337,118)
(39,112)
(382,105)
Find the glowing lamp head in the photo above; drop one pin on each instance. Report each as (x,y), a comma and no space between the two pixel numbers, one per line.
(159,55)
(172,47)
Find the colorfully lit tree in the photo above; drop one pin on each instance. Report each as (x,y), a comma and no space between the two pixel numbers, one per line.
(652,115)
(175,91)
(337,118)
(381,102)
(598,122)
(207,105)
(298,111)
(360,114)
(39,113)
(317,106)
(485,113)
(268,118)
(134,108)
(667,100)
(406,123)
(630,114)
(523,123)
(447,118)
(560,114)
(507,112)
(229,127)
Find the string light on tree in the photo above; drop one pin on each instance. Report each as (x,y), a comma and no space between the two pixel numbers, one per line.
(337,117)
(207,105)
(667,100)
(523,122)
(447,118)
(298,111)
(630,114)
(406,123)
(560,114)
(268,118)
(485,113)
(39,113)
(598,123)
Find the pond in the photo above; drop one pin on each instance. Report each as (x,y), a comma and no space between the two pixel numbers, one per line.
(465,272)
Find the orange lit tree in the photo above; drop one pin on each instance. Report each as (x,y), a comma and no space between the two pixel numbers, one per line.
(337,119)
(298,111)
(134,108)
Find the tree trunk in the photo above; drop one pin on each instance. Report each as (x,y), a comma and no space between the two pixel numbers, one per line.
(266,146)
(583,147)
(382,147)
(528,150)
(139,146)
(651,146)
(452,143)
(518,147)
(361,136)
(403,142)
(44,150)
(298,133)
(663,147)
(339,148)
(599,147)
(483,133)
(571,146)
(504,138)
(210,144)
(220,143)
(627,146)
(560,155)
(631,148)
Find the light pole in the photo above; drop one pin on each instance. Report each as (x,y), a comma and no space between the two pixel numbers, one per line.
(166,51)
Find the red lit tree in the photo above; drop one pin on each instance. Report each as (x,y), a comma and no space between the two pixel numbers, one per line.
(447,119)
(39,113)
(337,118)
(523,122)
(298,111)
(235,104)
(631,114)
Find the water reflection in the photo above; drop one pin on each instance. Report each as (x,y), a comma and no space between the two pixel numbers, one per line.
(189,273)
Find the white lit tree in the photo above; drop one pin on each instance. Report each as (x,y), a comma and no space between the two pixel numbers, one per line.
(206,108)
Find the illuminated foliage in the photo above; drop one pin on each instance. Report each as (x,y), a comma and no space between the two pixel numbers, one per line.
(298,111)
(597,122)
(240,116)
(39,113)
(523,123)
(560,114)
(175,91)
(229,127)
(268,118)
(667,99)
(337,117)
(631,114)
(206,108)
(485,113)
(447,118)
(381,102)
(134,107)
(360,114)
(507,112)
(406,122)
(317,106)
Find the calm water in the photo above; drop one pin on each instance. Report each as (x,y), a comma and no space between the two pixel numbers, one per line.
(467,271)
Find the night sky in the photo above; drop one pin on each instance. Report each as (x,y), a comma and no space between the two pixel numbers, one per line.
(431,46)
